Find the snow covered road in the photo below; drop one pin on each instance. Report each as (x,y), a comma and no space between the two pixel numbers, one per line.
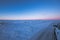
(46,34)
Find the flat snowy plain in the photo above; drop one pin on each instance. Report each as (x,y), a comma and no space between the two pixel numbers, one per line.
(27,29)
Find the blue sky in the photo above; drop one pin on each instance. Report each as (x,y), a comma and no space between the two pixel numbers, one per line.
(22,10)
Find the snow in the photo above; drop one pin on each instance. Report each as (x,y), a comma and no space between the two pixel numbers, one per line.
(58,33)
(26,29)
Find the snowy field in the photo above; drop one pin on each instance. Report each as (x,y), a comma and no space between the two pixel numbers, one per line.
(26,29)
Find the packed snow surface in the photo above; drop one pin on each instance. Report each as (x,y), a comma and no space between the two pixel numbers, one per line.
(27,29)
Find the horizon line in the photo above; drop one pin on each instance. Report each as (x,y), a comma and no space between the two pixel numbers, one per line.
(29,19)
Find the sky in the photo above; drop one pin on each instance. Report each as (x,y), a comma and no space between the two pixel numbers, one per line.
(29,10)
